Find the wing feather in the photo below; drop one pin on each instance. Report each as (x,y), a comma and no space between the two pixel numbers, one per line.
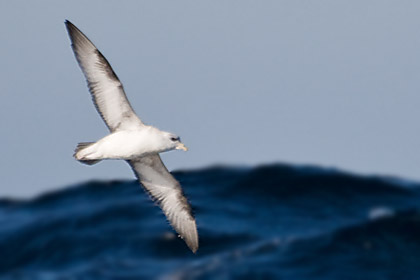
(167,191)
(106,89)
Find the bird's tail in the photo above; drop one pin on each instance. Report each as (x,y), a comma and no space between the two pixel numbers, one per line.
(78,153)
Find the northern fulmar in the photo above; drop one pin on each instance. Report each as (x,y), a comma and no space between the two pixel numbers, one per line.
(130,139)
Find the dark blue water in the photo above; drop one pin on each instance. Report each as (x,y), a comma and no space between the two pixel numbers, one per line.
(269,222)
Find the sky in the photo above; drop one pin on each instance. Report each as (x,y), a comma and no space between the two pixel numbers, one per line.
(330,83)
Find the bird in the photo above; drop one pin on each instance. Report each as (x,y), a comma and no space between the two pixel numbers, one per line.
(130,139)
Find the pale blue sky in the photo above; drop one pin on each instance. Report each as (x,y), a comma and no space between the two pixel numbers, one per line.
(334,83)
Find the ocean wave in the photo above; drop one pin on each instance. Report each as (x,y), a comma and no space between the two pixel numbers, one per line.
(269,222)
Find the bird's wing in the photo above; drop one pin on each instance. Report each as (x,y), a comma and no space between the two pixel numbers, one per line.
(107,91)
(167,191)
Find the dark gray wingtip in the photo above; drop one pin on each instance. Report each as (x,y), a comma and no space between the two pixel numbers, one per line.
(69,23)
(70,26)
(74,32)
(193,246)
(189,235)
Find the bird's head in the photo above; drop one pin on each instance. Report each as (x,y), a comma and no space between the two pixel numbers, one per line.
(174,142)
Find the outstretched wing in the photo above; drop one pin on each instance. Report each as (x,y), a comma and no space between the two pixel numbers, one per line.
(107,91)
(167,191)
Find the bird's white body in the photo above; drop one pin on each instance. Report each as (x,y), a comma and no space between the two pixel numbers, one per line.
(126,144)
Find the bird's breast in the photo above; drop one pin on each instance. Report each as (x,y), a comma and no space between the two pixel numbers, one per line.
(127,145)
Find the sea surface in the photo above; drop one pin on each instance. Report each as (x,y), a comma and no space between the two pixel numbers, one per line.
(269,222)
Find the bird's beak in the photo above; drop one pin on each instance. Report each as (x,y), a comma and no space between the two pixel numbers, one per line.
(181,146)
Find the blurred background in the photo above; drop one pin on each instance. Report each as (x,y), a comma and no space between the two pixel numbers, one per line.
(331,83)
(281,103)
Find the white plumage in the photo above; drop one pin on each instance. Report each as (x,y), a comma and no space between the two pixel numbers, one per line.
(131,139)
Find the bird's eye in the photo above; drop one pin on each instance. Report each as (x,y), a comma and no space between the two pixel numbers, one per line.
(174,139)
